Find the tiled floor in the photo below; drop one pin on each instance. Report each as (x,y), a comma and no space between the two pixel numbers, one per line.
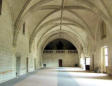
(65,77)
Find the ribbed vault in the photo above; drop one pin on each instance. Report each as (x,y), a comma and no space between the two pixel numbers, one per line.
(76,20)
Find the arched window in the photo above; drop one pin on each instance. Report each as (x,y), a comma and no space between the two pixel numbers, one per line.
(0,7)
(24,28)
(106,55)
(103,30)
(104,58)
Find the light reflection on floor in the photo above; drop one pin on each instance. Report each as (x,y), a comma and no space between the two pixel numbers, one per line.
(88,78)
(78,72)
(66,77)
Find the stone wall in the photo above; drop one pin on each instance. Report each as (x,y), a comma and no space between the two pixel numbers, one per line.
(7,57)
(68,59)
(8,52)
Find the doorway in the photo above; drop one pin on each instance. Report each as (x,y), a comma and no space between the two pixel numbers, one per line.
(27,64)
(35,63)
(60,62)
(18,62)
(87,63)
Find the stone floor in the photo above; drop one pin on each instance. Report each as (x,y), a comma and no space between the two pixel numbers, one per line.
(64,77)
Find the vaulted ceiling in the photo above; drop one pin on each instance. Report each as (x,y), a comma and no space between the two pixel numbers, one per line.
(46,20)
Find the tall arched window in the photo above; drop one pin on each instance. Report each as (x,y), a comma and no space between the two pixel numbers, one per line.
(106,55)
(104,58)
(24,28)
(0,7)
(103,30)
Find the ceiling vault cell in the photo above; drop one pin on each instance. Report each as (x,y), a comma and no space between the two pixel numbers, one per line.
(21,15)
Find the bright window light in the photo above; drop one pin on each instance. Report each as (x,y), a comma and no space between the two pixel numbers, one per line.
(106,55)
(87,61)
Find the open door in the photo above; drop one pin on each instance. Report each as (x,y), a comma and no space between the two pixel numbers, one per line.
(60,63)
(18,62)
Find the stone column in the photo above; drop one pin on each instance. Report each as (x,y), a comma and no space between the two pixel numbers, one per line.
(92,63)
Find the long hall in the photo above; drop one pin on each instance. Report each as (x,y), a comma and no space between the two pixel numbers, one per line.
(55,42)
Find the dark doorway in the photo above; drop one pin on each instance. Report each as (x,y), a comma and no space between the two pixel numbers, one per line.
(27,64)
(18,60)
(87,63)
(60,63)
(35,63)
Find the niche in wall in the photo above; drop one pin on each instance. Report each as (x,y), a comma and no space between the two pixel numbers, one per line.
(103,30)
(24,28)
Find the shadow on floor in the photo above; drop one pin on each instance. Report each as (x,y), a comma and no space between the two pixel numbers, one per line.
(64,79)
